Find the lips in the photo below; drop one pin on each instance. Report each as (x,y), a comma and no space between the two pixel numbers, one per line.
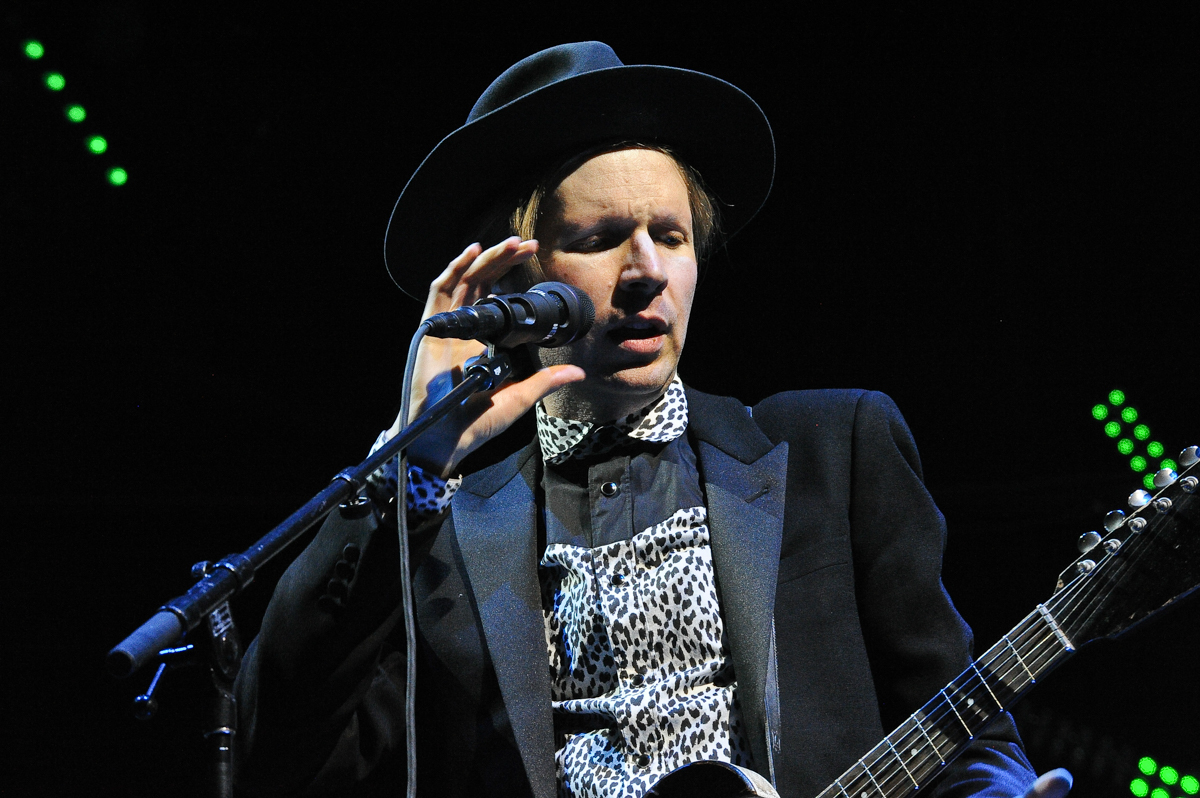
(637,328)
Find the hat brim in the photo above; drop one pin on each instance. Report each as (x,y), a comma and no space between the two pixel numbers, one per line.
(711,124)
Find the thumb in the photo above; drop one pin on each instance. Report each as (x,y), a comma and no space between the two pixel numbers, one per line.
(1052,784)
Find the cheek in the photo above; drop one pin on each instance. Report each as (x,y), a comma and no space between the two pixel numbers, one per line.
(589,277)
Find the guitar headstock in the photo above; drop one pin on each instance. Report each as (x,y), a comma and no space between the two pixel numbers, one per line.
(1142,563)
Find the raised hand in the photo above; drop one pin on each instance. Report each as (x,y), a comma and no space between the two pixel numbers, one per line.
(467,279)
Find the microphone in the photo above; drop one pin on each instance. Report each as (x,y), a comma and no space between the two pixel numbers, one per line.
(549,315)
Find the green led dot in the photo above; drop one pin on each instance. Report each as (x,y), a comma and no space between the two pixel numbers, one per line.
(1148,766)
(1169,463)
(1138,463)
(1159,792)
(76,113)
(1116,398)
(1139,787)
(1129,415)
(1100,412)
(117,176)
(1168,774)
(1141,432)
(1190,785)
(55,81)
(34,49)
(1112,429)
(1154,449)
(97,144)
(1148,482)
(1125,446)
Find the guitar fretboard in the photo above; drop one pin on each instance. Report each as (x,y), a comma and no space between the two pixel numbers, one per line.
(919,748)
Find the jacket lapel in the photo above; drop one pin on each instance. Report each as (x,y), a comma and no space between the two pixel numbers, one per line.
(496,524)
(745,481)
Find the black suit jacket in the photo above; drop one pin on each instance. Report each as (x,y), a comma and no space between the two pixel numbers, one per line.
(822,534)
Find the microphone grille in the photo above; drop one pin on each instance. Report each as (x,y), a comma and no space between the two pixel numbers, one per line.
(578,312)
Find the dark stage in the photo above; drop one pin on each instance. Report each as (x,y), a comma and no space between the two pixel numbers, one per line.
(990,217)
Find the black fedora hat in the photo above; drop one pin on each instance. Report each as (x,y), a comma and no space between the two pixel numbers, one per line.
(552,106)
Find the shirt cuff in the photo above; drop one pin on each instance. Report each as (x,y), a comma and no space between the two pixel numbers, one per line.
(426,495)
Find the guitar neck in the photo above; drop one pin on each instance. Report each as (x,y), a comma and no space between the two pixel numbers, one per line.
(912,755)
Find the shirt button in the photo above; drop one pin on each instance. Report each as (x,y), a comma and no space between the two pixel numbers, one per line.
(618,580)
(638,680)
(609,489)
(643,761)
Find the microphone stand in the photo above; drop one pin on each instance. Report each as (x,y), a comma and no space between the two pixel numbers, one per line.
(221,581)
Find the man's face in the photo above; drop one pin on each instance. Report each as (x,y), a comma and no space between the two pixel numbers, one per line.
(620,228)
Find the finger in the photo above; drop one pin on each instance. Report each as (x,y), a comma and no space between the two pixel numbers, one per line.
(495,262)
(1052,784)
(471,275)
(501,408)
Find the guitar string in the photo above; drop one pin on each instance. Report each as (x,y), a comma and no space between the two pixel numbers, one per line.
(1078,599)
(929,759)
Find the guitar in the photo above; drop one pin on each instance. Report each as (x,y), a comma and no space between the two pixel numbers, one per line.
(1148,561)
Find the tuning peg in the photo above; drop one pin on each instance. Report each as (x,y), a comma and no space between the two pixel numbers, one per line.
(1189,484)
(1113,520)
(1189,456)
(1088,541)
(1164,478)
(1083,566)
(1139,498)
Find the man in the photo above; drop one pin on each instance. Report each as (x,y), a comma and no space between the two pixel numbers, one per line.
(650,578)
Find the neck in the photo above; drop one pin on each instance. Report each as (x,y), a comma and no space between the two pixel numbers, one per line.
(569,403)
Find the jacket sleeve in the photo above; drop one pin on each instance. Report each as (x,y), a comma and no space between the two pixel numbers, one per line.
(320,694)
(916,640)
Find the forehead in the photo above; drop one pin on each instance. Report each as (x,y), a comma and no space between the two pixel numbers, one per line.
(629,179)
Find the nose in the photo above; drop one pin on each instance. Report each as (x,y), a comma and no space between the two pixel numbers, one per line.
(643,271)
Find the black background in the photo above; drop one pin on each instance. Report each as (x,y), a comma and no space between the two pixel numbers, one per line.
(990,216)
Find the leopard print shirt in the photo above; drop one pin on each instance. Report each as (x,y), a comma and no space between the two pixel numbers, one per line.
(641,677)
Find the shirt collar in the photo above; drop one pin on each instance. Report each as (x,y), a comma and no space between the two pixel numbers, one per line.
(661,421)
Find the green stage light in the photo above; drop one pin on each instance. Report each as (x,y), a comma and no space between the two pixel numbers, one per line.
(76,113)
(1148,483)
(1129,415)
(117,176)
(1100,412)
(1169,463)
(1112,429)
(1138,463)
(97,144)
(54,81)
(1190,785)
(1116,398)
(1141,432)
(1139,787)
(1125,446)
(1154,449)
(1159,792)
(34,49)
(1169,775)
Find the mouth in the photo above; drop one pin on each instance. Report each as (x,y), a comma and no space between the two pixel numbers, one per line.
(639,335)
(638,329)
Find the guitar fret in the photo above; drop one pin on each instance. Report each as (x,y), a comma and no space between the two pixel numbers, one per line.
(871,776)
(970,734)
(900,759)
(1020,659)
(999,703)
(932,744)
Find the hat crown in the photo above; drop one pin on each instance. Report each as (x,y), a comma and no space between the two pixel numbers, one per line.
(542,69)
